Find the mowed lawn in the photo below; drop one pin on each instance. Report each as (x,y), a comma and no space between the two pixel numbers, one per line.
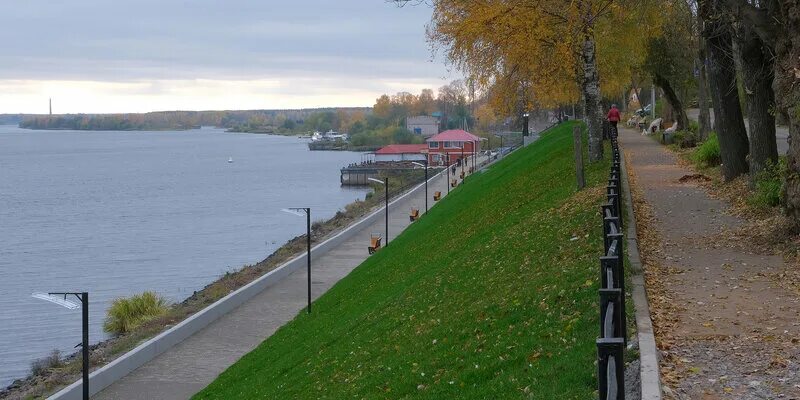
(492,295)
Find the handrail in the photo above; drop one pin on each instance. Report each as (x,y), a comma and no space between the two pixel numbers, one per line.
(613,328)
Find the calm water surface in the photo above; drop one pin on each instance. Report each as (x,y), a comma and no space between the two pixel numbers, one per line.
(118,213)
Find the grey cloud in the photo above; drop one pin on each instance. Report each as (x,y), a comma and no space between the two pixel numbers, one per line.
(124,40)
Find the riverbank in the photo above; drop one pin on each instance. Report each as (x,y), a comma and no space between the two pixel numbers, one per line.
(56,375)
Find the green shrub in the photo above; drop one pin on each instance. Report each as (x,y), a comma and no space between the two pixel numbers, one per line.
(684,139)
(694,126)
(708,154)
(768,185)
(125,315)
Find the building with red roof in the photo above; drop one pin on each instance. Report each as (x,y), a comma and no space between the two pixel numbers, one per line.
(450,146)
(401,152)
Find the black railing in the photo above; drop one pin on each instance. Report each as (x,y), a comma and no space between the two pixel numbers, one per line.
(613,329)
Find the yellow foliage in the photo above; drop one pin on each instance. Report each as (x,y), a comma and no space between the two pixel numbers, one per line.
(532,50)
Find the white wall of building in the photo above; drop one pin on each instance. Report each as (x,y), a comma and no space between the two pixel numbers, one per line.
(400,157)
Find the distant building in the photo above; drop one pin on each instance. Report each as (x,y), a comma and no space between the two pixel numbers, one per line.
(401,152)
(449,146)
(423,125)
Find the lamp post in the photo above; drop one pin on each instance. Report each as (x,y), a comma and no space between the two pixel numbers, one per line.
(385,183)
(501,144)
(462,159)
(447,165)
(83,297)
(525,124)
(298,211)
(426,181)
(474,155)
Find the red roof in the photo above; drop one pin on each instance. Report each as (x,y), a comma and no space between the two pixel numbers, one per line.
(402,149)
(454,135)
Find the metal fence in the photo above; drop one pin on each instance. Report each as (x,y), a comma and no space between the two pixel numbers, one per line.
(613,329)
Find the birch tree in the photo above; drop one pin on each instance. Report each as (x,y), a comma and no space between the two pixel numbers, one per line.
(549,52)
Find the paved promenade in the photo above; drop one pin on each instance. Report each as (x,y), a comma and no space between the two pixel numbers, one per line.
(190,366)
(724,328)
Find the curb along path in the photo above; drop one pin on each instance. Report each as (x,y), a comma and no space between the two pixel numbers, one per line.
(723,328)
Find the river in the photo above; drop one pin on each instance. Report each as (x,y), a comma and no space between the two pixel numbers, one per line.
(118,213)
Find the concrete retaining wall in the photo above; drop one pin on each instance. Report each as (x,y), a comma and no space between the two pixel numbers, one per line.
(110,373)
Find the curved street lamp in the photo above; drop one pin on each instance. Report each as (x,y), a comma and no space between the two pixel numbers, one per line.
(60,298)
(385,183)
(501,144)
(299,212)
(426,181)
(525,124)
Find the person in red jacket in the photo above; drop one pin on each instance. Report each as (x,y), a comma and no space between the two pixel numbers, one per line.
(613,116)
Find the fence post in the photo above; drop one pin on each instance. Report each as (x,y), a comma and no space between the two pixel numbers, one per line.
(576,135)
(611,349)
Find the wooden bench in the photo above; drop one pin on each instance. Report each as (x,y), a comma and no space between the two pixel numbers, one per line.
(437,196)
(374,243)
(414,215)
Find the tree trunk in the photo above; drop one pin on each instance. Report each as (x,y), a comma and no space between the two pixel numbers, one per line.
(678,112)
(703,120)
(590,86)
(758,75)
(787,96)
(728,120)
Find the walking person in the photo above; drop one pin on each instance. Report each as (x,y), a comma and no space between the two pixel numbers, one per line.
(613,117)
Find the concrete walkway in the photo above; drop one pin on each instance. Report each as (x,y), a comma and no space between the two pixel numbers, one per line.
(185,369)
(725,330)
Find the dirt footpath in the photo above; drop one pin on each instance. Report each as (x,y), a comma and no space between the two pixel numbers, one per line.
(724,328)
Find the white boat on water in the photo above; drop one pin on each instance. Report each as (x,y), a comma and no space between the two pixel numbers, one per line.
(330,136)
(230,160)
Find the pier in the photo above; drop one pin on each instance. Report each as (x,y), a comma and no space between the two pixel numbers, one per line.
(359,174)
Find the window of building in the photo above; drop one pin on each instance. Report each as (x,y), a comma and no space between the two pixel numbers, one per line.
(433,145)
(453,145)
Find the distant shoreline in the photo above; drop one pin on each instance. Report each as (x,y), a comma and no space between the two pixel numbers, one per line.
(111,130)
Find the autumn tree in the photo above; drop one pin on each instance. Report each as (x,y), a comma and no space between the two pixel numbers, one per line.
(426,103)
(758,74)
(777,23)
(670,59)
(703,117)
(728,118)
(549,52)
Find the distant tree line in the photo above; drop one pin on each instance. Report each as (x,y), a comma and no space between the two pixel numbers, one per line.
(382,124)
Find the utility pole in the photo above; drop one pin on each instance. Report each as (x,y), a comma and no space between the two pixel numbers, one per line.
(51,106)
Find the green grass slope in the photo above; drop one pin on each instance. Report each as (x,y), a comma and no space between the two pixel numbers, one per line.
(486,297)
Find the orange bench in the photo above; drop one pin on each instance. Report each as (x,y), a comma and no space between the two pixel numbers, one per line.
(437,196)
(414,214)
(374,243)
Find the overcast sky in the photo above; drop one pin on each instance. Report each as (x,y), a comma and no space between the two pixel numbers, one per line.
(148,55)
